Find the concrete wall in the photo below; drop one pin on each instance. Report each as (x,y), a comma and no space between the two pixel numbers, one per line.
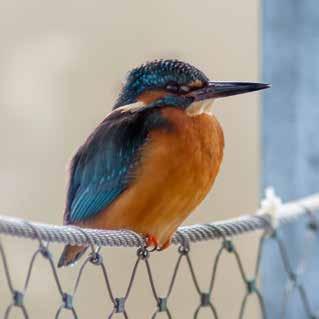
(61,65)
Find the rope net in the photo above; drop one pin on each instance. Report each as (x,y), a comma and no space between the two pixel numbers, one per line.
(158,286)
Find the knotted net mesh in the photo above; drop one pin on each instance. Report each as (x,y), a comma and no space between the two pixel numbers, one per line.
(136,283)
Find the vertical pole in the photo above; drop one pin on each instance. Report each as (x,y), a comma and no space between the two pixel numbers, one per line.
(290,115)
(290,134)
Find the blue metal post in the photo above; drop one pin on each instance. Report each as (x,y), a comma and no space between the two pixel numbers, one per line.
(290,135)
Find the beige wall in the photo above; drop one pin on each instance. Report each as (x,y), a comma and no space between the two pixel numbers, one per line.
(61,64)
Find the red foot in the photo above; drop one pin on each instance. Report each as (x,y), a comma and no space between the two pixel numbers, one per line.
(151,241)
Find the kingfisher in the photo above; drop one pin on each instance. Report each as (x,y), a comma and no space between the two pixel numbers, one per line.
(153,158)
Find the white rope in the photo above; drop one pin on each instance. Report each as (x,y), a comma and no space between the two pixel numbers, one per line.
(232,227)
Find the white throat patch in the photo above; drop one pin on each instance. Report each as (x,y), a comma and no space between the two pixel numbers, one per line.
(200,107)
(131,107)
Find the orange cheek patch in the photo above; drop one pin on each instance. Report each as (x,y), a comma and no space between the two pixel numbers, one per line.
(197,84)
(151,96)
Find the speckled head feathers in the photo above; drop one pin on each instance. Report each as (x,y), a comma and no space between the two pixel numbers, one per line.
(157,75)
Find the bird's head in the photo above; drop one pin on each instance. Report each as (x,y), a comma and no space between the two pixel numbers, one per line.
(176,83)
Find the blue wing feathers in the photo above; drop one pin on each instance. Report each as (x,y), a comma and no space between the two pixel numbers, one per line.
(104,165)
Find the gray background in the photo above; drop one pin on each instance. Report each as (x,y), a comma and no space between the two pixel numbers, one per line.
(61,66)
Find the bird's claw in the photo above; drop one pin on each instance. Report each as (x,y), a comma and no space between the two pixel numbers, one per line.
(151,243)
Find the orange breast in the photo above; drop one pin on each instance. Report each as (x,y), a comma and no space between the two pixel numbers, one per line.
(177,170)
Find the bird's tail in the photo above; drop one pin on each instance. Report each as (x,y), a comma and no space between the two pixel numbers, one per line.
(70,255)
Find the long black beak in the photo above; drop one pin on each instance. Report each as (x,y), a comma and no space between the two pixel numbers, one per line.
(222,89)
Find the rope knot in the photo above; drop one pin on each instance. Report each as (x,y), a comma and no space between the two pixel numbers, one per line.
(18,297)
(204,299)
(313,226)
(293,277)
(228,245)
(143,253)
(96,258)
(270,206)
(67,301)
(45,252)
(119,305)
(162,304)
(251,286)
(183,249)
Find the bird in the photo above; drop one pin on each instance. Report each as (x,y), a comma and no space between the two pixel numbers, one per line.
(154,157)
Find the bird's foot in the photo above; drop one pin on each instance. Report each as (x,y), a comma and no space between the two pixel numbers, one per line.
(153,244)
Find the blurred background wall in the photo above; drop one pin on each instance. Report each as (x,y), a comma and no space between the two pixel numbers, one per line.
(290,144)
(61,66)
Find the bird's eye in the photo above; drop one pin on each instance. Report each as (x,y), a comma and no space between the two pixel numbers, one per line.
(172,87)
(175,88)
